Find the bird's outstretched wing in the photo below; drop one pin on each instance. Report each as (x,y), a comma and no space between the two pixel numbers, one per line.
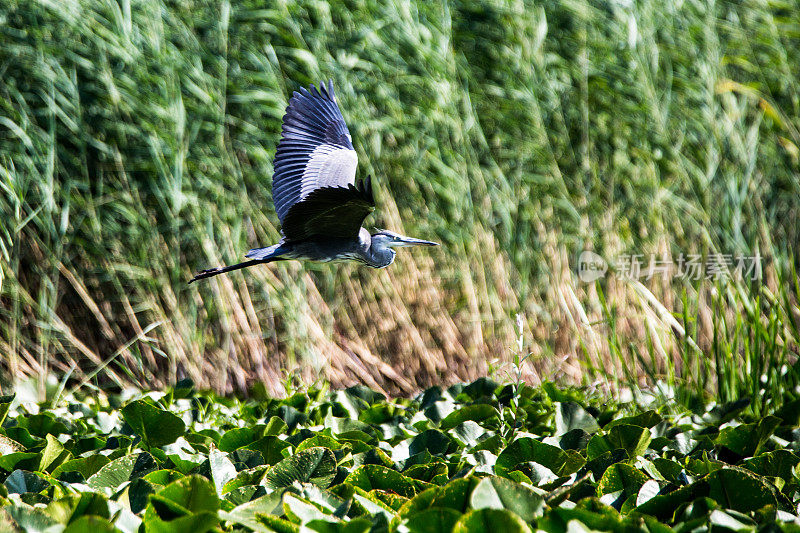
(315,151)
(330,212)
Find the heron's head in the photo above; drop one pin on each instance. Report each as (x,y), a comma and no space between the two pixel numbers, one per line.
(386,240)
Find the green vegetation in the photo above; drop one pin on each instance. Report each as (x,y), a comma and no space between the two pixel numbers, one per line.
(351,461)
(135,148)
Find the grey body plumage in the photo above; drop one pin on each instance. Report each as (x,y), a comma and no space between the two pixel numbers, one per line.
(318,201)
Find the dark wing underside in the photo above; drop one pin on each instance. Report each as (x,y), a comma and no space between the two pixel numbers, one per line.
(330,212)
(315,151)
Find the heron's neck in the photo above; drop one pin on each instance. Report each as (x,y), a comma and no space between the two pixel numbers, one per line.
(378,255)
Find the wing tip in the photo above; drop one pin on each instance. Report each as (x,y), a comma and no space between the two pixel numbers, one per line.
(322,89)
(365,188)
(329,89)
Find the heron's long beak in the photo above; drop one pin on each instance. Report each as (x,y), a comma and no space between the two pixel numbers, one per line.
(401,240)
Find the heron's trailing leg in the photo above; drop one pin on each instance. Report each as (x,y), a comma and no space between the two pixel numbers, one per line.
(257,256)
(221,270)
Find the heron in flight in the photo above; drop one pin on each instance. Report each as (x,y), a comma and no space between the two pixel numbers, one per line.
(319,203)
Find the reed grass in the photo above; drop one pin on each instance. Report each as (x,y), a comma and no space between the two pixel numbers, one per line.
(136,139)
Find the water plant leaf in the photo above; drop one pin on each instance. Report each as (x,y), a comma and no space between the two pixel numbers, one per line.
(490,520)
(500,493)
(622,477)
(432,440)
(570,415)
(123,469)
(21,482)
(432,520)
(156,426)
(747,439)
(476,413)
(633,439)
(314,465)
(739,490)
(370,477)
(527,449)
(222,469)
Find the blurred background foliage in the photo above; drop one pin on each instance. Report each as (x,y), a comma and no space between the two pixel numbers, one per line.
(136,139)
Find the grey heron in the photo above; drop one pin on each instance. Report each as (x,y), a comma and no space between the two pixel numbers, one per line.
(320,205)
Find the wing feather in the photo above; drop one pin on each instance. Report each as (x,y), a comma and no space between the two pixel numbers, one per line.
(330,212)
(315,150)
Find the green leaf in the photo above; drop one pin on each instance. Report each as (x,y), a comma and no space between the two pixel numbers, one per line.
(21,482)
(365,393)
(52,455)
(275,426)
(91,524)
(433,441)
(156,426)
(31,519)
(789,413)
(222,469)
(587,515)
(5,405)
(780,463)
(193,493)
(273,524)
(270,447)
(500,493)
(467,433)
(188,505)
(357,525)
(621,477)
(739,490)
(669,469)
(118,471)
(86,466)
(43,424)
(705,511)
(526,450)
(747,439)
(325,500)
(236,438)
(8,445)
(138,493)
(72,506)
(314,465)
(727,411)
(648,419)
(455,495)
(183,455)
(323,441)
(476,413)
(193,523)
(19,460)
(381,413)
(162,477)
(648,491)
(431,473)
(633,439)
(663,506)
(245,514)
(490,521)
(372,505)
(369,477)
(570,415)
(301,511)
(433,520)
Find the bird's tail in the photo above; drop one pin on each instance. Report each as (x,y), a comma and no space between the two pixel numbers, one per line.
(258,256)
